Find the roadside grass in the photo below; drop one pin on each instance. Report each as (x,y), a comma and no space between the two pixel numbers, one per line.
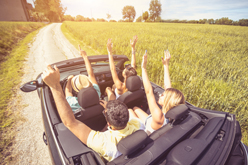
(208,64)
(13,50)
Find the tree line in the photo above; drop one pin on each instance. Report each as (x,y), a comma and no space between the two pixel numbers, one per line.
(221,21)
(53,11)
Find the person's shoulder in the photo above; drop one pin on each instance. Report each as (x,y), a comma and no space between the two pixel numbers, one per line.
(96,86)
(136,122)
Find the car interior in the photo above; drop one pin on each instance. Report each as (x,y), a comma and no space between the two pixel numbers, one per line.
(190,133)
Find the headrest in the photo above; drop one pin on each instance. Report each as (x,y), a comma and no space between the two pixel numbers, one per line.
(133,83)
(178,112)
(132,142)
(88,97)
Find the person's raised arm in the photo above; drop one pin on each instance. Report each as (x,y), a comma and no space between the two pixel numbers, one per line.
(68,88)
(156,112)
(165,60)
(52,78)
(133,59)
(116,80)
(89,69)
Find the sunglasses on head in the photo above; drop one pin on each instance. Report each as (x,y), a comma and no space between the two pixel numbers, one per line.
(129,67)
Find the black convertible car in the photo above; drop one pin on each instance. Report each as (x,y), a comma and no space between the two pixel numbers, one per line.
(193,136)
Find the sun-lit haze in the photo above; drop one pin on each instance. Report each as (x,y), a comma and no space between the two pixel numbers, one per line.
(171,9)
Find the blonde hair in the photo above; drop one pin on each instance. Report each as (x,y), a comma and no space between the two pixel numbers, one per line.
(173,97)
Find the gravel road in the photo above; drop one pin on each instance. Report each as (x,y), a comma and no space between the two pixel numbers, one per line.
(49,46)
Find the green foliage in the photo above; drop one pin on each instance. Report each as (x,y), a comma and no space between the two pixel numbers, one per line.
(108,16)
(80,18)
(221,21)
(52,9)
(145,15)
(68,18)
(129,13)
(208,64)
(139,19)
(243,22)
(11,33)
(155,9)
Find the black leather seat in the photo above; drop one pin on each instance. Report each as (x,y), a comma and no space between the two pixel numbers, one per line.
(134,94)
(91,111)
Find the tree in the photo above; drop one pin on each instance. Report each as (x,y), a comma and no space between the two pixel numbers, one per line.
(108,16)
(52,9)
(79,18)
(145,15)
(224,21)
(155,9)
(158,19)
(243,22)
(211,21)
(101,20)
(129,12)
(139,19)
(68,18)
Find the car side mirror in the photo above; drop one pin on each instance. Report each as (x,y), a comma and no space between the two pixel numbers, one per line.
(30,86)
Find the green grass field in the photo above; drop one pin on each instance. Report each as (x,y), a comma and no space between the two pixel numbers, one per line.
(12,32)
(209,63)
(14,39)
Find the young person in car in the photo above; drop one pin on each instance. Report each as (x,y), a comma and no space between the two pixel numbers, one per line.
(117,115)
(119,87)
(82,81)
(168,99)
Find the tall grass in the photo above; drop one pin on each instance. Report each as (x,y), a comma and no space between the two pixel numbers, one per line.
(12,32)
(209,63)
(13,50)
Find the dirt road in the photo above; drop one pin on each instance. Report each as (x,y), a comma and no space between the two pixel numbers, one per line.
(49,46)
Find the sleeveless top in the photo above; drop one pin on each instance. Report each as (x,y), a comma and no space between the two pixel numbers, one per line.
(116,94)
(148,123)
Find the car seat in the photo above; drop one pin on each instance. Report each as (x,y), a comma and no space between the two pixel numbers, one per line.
(91,111)
(134,94)
(138,148)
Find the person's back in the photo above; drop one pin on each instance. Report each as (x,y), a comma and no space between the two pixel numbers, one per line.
(119,126)
(79,82)
(119,87)
(117,117)
(168,99)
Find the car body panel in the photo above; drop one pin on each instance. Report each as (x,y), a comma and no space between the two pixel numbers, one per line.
(204,137)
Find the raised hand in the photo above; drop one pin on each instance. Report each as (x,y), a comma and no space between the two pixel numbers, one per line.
(144,62)
(51,76)
(109,46)
(132,43)
(82,52)
(166,57)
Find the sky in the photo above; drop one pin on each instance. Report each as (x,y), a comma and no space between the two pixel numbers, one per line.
(171,9)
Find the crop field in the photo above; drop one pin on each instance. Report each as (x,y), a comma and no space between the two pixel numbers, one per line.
(209,63)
